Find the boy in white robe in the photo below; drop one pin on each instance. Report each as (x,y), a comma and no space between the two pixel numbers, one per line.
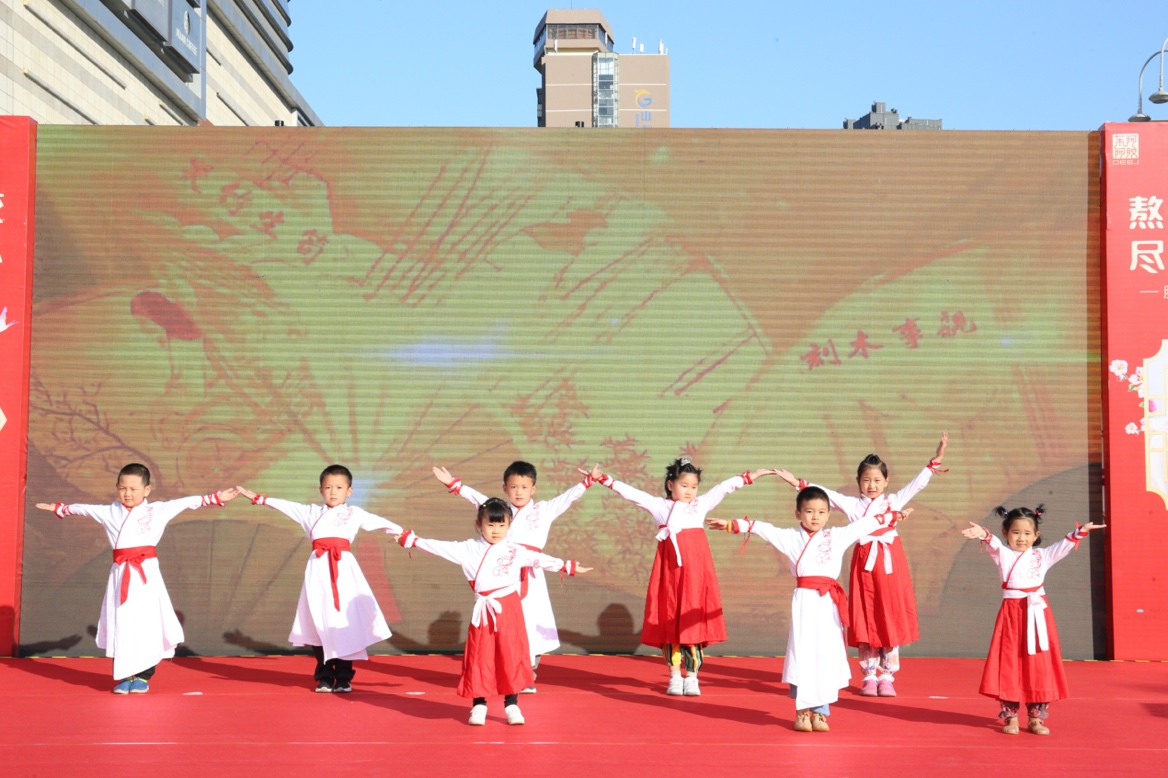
(816,664)
(137,626)
(530,524)
(337,615)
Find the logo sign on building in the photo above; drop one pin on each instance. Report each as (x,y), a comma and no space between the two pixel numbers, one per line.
(154,15)
(1135,398)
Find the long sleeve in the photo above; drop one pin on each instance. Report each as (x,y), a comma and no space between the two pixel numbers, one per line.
(712,498)
(471,495)
(1059,550)
(96,512)
(993,546)
(371,522)
(301,514)
(843,503)
(910,490)
(862,526)
(559,505)
(781,539)
(549,563)
(647,501)
(450,550)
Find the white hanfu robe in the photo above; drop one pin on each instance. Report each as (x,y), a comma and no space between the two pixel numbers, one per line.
(343,632)
(530,526)
(142,631)
(817,659)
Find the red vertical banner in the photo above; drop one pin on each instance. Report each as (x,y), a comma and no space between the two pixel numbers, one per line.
(1135,397)
(17,190)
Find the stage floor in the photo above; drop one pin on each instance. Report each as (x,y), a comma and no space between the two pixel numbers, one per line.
(592,715)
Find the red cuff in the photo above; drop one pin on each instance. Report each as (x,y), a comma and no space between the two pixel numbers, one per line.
(406,537)
(259,499)
(455,486)
(746,477)
(588,480)
(61,509)
(935,466)
(803,484)
(212,499)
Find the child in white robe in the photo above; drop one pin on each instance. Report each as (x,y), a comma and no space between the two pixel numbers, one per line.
(337,615)
(137,626)
(530,524)
(816,665)
(497,659)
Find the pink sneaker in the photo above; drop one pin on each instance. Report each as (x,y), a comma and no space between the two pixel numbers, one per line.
(884,689)
(869,688)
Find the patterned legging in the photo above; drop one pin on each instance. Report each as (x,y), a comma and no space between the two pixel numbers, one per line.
(1035,710)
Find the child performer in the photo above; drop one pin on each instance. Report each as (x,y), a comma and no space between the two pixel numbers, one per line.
(1024,664)
(530,524)
(497,659)
(137,626)
(337,615)
(683,607)
(816,665)
(883,605)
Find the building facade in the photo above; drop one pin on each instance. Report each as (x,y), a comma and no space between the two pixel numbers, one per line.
(586,83)
(161,62)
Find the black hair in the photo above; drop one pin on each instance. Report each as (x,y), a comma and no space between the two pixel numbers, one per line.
(134,468)
(336,470)
(676,468)
(1009,517)
(520,468)
(811,493)
(494,511)
(869,462)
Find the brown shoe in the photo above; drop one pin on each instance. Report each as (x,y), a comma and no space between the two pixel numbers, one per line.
(819,722)
(1011,726)
(803,720)
(1037,727)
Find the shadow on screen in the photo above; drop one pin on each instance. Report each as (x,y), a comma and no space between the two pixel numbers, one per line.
(615,633)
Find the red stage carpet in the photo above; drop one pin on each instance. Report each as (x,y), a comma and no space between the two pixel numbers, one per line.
(593,716)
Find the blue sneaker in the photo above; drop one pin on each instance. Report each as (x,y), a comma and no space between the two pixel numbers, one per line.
(123,687)
(139,686)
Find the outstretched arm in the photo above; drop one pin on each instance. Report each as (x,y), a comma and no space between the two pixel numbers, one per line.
(993,546)
(633,495)
(454,485)
(301,514)
(451,550)
(95,512)
(1069,543)
(711,498)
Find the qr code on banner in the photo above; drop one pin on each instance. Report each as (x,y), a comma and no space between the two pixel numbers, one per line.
(1125,148)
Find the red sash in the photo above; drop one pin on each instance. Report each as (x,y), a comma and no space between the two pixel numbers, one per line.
(132,558)
(333,547)
(826,586)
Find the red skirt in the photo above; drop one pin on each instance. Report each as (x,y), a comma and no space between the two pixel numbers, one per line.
(683,604)
(882,606)
(1011,673)
(497,659)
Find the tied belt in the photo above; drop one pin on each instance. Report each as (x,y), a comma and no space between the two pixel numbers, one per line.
(667,532)
(1035,618)
(883,542)
(333,547)
(132,558)
(487,603)
(526,572)
(826,586)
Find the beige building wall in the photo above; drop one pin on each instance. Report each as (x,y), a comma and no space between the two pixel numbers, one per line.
(568,89)
(644,91)
(58,69)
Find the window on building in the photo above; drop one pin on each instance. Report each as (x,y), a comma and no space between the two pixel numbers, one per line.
(605,90)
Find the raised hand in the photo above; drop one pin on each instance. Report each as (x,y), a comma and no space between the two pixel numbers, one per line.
(443,475)
(595,474)
(580,570)
(227,495)
(47,506)
(975,531)
(720,524)
(1087,527)
(941,447)
(248,493)
(788,477)
(757,474)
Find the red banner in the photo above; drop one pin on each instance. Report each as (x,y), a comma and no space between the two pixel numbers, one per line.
(17,190)
(1135,398)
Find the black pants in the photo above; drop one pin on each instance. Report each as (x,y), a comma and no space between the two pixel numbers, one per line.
(145,675)
(334,671)
(510,699)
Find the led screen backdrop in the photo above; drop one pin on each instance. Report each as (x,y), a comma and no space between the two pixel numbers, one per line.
(247,306)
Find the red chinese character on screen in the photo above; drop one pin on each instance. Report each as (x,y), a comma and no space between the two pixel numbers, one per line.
(861,345)
(910,333)
(268,223)
(233,198)
(196,171)
(950,326)
(817,356)
(311,245)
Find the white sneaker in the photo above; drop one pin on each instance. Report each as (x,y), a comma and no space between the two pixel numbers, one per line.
(514,715)
(478,716)
(690,687)
(675,686)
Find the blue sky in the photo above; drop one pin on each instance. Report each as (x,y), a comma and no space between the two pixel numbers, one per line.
(992,65)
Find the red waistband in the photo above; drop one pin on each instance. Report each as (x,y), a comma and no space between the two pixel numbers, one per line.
(333,547)
(132,557)
(826,586)
(1031,589)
